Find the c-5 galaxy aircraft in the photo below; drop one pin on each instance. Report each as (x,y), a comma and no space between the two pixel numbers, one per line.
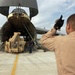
(18,20)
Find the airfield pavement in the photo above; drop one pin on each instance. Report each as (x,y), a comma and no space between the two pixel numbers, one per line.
(36,63)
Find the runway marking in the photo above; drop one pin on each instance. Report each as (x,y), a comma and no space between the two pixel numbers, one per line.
(14,65)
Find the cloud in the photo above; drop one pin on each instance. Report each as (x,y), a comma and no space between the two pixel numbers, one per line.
(46,10)
(50,10)
(3,19)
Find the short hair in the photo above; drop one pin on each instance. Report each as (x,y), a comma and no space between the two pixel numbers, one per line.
(71,21)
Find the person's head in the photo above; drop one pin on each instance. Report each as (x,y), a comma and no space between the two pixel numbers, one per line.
(70,27)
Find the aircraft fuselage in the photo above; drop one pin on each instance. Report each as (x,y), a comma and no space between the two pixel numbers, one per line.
(18,21)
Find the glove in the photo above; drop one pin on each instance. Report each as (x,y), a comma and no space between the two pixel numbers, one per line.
(59,23)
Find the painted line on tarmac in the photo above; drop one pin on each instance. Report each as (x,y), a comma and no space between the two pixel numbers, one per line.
(15,65)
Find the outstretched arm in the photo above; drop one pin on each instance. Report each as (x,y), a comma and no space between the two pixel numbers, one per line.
(48,39)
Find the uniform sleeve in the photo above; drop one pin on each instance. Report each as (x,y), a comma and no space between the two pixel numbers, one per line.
(48,39)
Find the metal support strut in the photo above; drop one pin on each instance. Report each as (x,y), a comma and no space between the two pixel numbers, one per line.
(28,33)
(35,42)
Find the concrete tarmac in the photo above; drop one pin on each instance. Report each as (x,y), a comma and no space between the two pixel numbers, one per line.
(37,63)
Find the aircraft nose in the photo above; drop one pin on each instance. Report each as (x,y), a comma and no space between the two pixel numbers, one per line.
(17,14)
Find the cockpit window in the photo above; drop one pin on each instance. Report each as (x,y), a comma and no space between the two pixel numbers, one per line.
(18,10)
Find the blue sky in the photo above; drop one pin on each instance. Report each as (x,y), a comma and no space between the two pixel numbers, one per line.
(49,11)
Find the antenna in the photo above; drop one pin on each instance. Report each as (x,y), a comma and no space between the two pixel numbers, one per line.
(19,6)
